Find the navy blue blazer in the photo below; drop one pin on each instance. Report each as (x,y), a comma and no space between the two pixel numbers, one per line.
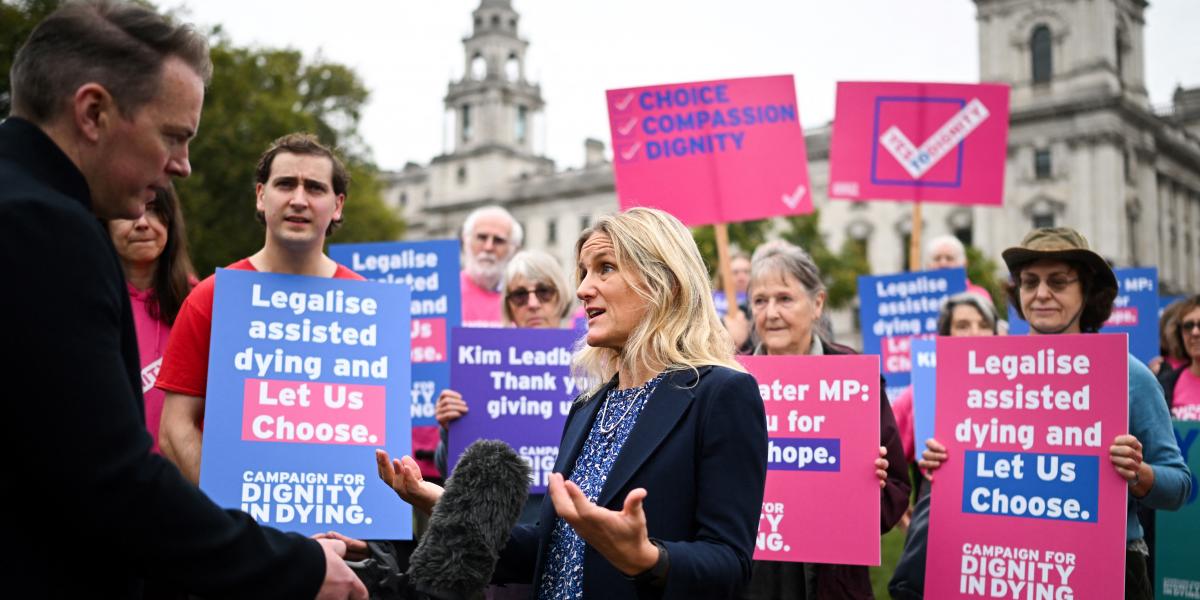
(700,450)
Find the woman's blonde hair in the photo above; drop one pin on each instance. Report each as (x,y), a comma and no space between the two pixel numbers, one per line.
(680,330)
(537,267)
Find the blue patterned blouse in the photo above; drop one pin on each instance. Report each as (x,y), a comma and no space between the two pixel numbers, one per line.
(563,577)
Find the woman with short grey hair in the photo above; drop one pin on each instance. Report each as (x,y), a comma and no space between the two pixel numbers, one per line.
(787,298)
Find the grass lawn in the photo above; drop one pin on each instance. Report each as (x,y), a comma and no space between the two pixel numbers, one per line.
(892,544)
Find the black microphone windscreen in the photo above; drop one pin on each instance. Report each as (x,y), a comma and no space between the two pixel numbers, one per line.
(471,522)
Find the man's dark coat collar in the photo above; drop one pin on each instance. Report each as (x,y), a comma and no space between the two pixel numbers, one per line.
(28,147)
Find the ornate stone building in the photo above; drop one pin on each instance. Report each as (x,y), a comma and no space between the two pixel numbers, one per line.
(1086,149)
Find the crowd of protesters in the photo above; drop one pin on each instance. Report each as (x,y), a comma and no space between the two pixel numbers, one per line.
(105,98)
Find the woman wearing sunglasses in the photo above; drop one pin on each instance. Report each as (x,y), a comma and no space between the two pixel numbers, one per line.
(1181,384)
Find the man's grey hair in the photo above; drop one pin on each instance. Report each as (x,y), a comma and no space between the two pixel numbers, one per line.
(516,233)
(945,240)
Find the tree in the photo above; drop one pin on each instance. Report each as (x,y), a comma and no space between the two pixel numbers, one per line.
(746,235)
(17,21)
(256,96)
(981,271)
(840,270)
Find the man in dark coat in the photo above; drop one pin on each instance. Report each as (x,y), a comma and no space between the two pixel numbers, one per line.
(105,98)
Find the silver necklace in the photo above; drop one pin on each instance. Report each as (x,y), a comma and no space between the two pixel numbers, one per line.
(632,402)
(613,427)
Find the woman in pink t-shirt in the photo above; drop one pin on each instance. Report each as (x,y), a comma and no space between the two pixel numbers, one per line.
(1180,377)
(159,275)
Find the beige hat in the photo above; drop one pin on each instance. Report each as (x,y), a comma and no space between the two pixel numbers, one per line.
(1059,243)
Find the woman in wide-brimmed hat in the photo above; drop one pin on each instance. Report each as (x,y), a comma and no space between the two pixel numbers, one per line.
(1059,285)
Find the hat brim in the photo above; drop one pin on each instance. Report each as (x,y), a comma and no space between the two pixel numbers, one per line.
(1018,257)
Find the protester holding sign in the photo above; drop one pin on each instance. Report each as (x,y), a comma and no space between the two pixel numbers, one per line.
(667,508)
(535,295)
(300,188)
(1060,286)
(787,298)
(158,272)
(1181,384)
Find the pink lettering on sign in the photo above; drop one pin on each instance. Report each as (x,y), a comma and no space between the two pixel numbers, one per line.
(896,354)
(935,142)
(314,413)
(428,340)
(711,151)
(1123,317)
(823,430)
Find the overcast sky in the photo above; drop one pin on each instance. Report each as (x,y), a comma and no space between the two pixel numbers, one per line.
(406,51)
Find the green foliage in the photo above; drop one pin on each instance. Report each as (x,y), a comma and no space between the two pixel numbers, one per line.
(981,270)
(746,235)
(841,269)
(17,20)
(256,96)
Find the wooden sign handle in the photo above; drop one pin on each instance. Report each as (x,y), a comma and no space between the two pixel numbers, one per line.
(724,266)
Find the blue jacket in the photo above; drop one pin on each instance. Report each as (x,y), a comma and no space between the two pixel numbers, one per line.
(1150,423)
(700,450)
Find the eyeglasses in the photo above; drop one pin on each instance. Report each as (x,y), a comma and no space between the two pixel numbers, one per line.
(521,297)
(1189,326)
(1056,283)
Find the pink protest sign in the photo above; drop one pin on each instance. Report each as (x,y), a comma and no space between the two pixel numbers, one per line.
(928,142)
(821,502)
(711,151)
(1028,505)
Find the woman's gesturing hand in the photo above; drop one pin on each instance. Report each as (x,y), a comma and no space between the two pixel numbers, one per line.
(620,537)
(404,476)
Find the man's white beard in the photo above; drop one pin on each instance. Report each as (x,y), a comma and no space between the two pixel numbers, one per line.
(485,269)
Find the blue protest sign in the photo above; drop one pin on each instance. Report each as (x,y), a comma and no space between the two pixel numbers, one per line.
(893,308)
(306,377)
(431,269)
(722,304)
(518,388)
(924,383)
(1135,312)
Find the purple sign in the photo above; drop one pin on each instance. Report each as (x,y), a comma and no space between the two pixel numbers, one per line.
(518,388)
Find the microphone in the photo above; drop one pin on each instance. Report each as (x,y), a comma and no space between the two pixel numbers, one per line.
(471,522)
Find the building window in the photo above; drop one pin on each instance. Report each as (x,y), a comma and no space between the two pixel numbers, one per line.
(966,235)
(522,123)
(1127,160)
(1041,163)
(552,231)
(1120,48)
(584,222)
(512,68)
(403,199)
(1043,220)
(512,24)
(478,67)
(496,21)
(1039,49)
(905,242)
(466,122)
(462,174)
